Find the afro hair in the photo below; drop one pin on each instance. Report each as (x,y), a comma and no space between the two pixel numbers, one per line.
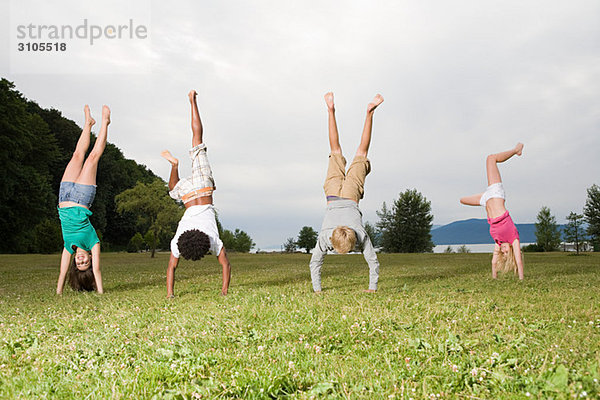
(193,244)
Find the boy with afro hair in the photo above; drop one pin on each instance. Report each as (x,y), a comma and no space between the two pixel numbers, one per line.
(197,231)
(342,229)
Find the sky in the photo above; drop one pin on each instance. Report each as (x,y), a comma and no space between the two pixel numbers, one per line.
(460,79)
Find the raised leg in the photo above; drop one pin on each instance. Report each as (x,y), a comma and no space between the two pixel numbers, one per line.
(90,167)
(174,177)
(493,173)
(196,122)
(334,138)
(73,168)
(365,140)
(472,200)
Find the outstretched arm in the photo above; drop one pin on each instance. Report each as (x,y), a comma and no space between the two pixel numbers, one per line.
(64,268)
(495,261)
(224,261)
(371,258)
(316,262)
(518,257)
(173,261)
(96,267)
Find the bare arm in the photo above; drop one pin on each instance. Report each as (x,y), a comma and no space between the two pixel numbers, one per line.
(495,261)
(96,267)
(173,261)
(224,261)
(64,268)
(518,257)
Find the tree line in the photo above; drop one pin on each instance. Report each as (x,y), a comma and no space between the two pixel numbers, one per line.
(131,202)
(582,230)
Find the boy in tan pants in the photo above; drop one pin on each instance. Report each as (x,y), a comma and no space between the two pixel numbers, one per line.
(342,229)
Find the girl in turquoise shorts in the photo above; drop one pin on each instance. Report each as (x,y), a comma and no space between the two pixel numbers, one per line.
(77,191)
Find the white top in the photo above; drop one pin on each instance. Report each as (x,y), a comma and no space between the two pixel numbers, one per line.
(202,218)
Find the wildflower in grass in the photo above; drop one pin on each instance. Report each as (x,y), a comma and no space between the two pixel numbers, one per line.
(474,372)
(261,348)
(454,368)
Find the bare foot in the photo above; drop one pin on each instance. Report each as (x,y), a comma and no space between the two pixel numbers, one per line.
(105,115)
(377,100)
(166,154)
(192,95)
(88,116)
(519,148)
(370,291)
(329,101)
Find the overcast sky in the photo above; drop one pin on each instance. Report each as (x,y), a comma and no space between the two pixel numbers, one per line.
(460,79)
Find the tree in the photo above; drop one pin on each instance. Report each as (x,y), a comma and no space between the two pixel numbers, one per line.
(307,238)
(574,230)
(151,239)
(591,211)
(48,237)
(135,243)
(463,249)
(153,208)
(546,231)
(373,234)
(238,240)
(406,227)
(228,239)
(243,241)
(290,245)
(27,154)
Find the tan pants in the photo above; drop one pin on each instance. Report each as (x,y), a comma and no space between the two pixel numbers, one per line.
(351,184)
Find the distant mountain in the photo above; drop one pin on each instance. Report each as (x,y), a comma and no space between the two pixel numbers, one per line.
(476,231)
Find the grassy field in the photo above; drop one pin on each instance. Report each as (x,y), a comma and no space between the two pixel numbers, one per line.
(439,327)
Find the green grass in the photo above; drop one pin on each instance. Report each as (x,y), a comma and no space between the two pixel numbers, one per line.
(439,327)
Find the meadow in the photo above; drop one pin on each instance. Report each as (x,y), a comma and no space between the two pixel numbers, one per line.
(439,327)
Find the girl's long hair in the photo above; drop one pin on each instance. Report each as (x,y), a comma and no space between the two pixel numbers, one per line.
(507,263)
(81,280)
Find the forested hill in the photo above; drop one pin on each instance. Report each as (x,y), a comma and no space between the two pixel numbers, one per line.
(35,146)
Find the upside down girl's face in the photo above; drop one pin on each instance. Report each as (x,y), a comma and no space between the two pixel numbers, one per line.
(82,259)
(505,248)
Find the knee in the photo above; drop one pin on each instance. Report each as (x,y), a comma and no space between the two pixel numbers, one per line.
(94,156)
(78,156)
